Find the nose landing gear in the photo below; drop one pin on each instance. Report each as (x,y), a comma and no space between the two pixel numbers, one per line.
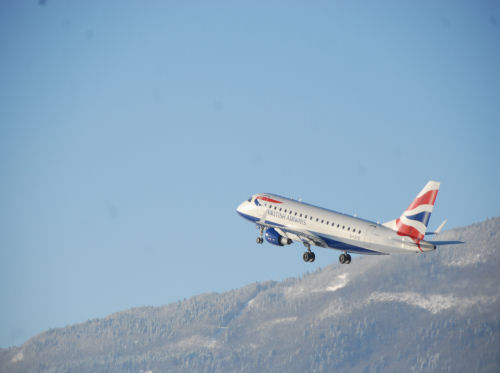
(260,239)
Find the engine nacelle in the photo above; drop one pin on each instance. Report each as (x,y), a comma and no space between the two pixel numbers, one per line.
(275,238)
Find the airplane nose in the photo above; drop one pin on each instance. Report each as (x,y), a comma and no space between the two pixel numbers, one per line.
(244,207)
(240,207)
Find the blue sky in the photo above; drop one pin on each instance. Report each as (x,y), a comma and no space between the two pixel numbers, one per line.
(130,131)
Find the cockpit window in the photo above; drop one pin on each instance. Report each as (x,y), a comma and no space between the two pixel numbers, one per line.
(250,199)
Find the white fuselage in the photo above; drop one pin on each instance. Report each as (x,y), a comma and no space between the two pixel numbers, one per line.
(334,230)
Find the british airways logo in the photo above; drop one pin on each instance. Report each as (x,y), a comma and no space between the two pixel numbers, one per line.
(263,198)
(280,215)
(267,199)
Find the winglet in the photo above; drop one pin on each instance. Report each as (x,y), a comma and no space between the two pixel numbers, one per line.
(441,226)
(438,230)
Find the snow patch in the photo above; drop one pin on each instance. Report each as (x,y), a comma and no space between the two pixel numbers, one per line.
(467,260)
(435,303)
(282,320)
(197,341)
(19,357)
(293,292)
(333,309)
(341,281)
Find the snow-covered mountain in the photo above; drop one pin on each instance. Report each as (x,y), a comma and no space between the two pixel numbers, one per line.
(434,312)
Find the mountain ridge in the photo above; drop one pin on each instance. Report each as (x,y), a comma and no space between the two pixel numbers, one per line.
(440,309)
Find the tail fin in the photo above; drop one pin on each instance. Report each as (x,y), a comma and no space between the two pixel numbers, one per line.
(413,221)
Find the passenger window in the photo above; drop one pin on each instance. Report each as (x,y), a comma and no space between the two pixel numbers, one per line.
(348,228)
(311,218)
(343,226)
(305,217)
(300,215)
(295,213)
(317,219)
(360,231)
(322,221)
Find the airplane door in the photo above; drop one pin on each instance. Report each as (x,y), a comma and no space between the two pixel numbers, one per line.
(372,233)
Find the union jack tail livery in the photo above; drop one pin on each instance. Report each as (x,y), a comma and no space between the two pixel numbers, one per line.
(413,222)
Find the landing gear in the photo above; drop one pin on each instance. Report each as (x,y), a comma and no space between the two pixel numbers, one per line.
(344,258)
(308,256)
(260,239)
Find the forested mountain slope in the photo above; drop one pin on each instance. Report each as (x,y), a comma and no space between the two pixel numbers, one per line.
(438,311)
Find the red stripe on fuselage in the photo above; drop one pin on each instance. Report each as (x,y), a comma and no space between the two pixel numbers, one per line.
(427,199)
(269,199)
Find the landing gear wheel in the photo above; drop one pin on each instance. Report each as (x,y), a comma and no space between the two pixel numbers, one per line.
(305,256)
(344,258)
(312,257)
(308,256)
(260,240)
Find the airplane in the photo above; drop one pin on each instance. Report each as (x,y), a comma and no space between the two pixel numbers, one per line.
(283,220)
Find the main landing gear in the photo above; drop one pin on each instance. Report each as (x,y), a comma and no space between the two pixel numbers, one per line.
(308,256)
(260,239)
(344,258)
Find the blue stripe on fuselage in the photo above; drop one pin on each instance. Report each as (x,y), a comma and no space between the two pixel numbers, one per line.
(339,245)
(273,223)
(334,244)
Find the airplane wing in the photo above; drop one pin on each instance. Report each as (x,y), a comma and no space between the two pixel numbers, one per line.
(302,235)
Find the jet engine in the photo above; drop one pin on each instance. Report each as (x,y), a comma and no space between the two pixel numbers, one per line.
(275,238)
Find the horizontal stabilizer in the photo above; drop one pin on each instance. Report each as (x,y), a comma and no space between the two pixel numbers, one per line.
(439,243)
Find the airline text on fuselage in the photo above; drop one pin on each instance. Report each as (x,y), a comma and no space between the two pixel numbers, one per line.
(280,215)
